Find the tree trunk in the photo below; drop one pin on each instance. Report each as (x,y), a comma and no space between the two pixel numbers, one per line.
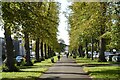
(42,56)
(37,50)
(79,50)
(102,40)
(92,47)
(86,46)
(48,52)
(98,48)
(102,50)
(10,62)
(27,50)
(45,51)
(52,53)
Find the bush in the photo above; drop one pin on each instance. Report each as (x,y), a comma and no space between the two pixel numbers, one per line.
(23,62)
(4,68)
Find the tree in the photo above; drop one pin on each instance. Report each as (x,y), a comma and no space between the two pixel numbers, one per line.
(88,23)
(34,21)
(37,49)
(102,31)
(8,25)
(62,45)
(114,11)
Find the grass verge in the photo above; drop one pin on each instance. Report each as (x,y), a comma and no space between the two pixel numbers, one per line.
(85,61)
(100,70)
(29,72)
(104,72)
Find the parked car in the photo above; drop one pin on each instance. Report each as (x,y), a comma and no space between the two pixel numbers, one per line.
(32,55)
(95,54)
(116,58)
(107,53)
(19,60)
(112,56)
(109,57)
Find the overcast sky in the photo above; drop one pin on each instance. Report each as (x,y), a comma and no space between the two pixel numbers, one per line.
(63,33)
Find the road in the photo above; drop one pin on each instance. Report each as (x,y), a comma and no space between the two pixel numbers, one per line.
(65,69)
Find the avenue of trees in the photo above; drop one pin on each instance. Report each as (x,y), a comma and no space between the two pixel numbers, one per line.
(62,45)
(29,21)
(94,27)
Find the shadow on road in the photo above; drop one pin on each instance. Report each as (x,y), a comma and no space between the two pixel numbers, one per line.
(67,62)
(66,73)
(67,65)
(58,78)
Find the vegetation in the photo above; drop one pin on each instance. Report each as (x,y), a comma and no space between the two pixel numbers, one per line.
(89,62)
(62,45)
(104,72)
(92,26)
(29,72)
(100,70)
(30,21)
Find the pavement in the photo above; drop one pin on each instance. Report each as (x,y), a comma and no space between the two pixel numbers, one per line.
(65,69)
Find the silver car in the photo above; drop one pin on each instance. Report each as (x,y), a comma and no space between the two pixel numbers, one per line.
(116,58)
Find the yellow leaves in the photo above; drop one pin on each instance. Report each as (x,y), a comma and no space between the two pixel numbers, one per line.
(14,6)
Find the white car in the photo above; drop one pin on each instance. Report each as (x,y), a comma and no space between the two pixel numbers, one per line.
(116,58)
(109,57)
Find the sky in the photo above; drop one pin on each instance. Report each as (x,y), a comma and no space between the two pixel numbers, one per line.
(62,28)
(63,33)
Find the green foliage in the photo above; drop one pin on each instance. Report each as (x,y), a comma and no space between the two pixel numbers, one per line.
(62,45)
(92,19)
(29,20)
(83,21)
(39,19)
(6,69)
